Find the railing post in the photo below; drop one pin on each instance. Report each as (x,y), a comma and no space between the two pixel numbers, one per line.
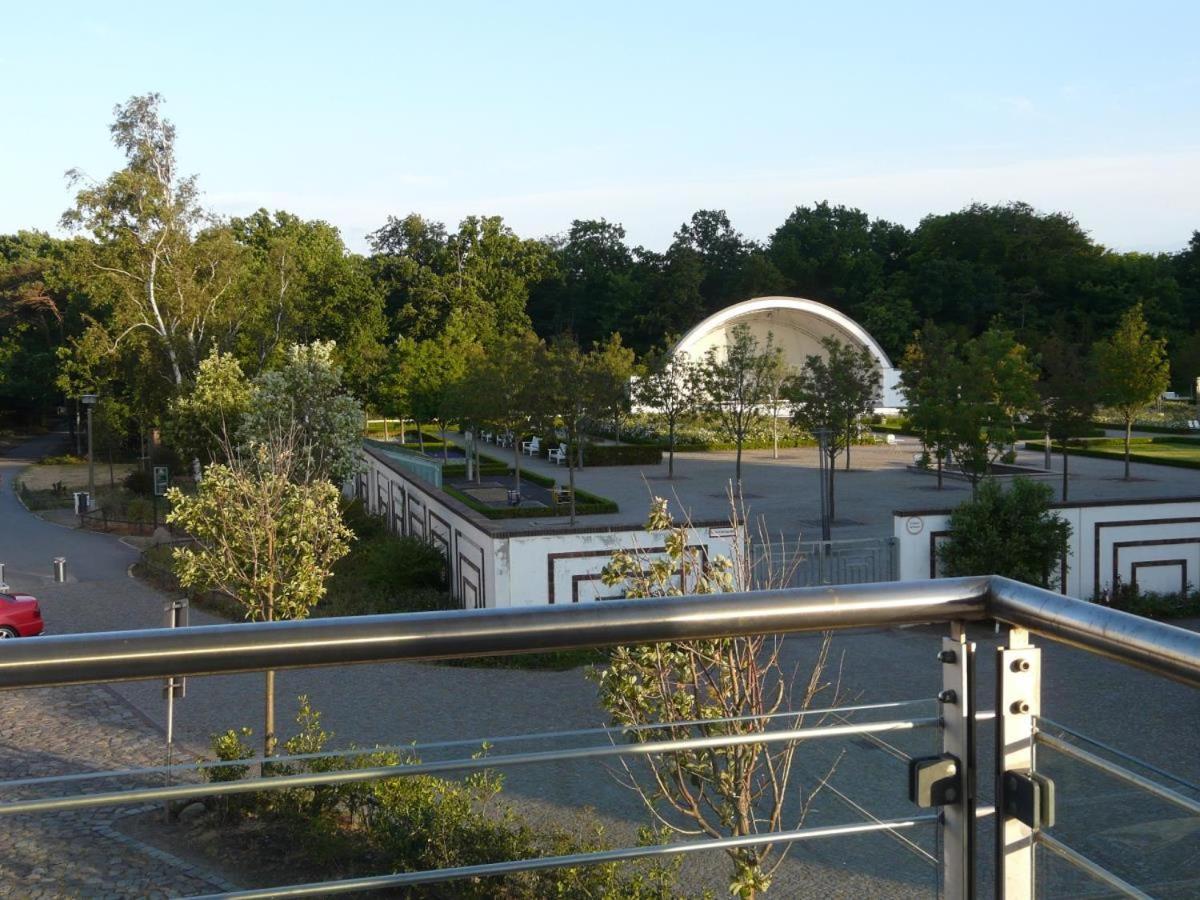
(957,823)
(1018,700)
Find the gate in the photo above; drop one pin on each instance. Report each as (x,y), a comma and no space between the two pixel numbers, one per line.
(811,563)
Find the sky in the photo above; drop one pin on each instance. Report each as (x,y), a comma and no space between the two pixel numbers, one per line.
(639,113)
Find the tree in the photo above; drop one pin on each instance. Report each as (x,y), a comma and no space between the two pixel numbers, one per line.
(669,387)
(734,686)
(573,391)
(777,376)
(1131,370)
(735,385)
(505,383)
(1067,389)
(1012,533)
(154,265)
(612,366)
(830,393)
(929,381)
(202,422)
(305,397)
(996,381)
(265,535)
(301,285)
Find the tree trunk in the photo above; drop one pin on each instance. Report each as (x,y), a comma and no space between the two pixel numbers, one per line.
(269,717)
(671,450)
(1066,456)
(112,480)
(442,432)
(571,483)
(849,441)
(737,469)
(939,455)
(385,430)
(517,460)
(1128,438)
(420,436)
(832,470)
(774,437)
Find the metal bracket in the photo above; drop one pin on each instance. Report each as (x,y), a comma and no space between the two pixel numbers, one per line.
(934,780)
(1029,798)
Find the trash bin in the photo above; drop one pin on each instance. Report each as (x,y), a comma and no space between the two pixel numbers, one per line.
(82,502)
(514,497)
(60,569)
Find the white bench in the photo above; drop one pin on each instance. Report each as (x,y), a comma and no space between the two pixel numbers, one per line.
(533,447)
(1194,425)
(557,455)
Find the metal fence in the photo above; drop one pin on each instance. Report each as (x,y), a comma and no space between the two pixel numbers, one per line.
(813,563)
(944,789)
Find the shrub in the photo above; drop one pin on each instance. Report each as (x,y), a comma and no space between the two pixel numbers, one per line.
(383,572)
(63,459)
(139,481)
(1131,599)
(416,822)
(1012,533)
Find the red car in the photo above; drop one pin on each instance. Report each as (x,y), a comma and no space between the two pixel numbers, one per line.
(20,616)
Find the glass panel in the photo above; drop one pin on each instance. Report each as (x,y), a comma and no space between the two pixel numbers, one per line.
(1141,838)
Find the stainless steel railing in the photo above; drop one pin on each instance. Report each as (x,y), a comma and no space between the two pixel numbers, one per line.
(206,650)
(214,649)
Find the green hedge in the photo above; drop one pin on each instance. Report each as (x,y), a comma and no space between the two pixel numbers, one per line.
(1153,429)
(622,455)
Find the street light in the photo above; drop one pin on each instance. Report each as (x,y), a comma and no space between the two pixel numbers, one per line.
(89,400)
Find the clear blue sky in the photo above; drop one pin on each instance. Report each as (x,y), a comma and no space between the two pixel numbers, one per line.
(639,112)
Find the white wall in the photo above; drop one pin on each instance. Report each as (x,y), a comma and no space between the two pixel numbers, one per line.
(492,567)
(1153,542)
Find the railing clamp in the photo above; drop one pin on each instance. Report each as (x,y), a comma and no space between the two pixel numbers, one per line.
(1029,798)
(935,780)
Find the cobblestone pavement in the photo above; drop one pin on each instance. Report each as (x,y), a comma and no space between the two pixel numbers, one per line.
(80,853)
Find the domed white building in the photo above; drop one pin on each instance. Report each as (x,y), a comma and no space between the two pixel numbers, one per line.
(797,326)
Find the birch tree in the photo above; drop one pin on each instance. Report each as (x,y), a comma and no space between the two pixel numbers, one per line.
(159,265)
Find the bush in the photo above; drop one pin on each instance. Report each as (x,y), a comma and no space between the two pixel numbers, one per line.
(621,455)
(413,823)
(139,481)
(383,572)
(1011,533)
(64,459)
(1129,598)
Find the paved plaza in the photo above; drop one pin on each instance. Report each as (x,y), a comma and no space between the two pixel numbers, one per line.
(784,491)
(77,729)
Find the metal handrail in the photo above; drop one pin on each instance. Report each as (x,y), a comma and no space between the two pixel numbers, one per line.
(215,649)
(393,770)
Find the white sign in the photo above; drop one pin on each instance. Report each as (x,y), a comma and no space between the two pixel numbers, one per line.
(722,532)
(914,524)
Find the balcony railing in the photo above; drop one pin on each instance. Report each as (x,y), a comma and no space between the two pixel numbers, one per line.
(946,791)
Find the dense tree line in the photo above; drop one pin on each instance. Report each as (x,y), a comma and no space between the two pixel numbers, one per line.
(148,283)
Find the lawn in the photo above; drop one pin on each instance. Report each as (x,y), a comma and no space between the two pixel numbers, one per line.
(1167,451)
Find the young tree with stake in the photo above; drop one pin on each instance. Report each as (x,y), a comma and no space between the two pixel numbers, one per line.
(265,536)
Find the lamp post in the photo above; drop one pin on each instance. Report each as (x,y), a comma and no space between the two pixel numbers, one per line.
(89,400)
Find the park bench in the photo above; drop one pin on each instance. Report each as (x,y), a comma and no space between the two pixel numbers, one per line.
(1194,425)
(532,447)
(562,494)
(557,455)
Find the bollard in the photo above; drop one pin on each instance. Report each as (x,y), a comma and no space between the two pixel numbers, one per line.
(1,573)
(60,569)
